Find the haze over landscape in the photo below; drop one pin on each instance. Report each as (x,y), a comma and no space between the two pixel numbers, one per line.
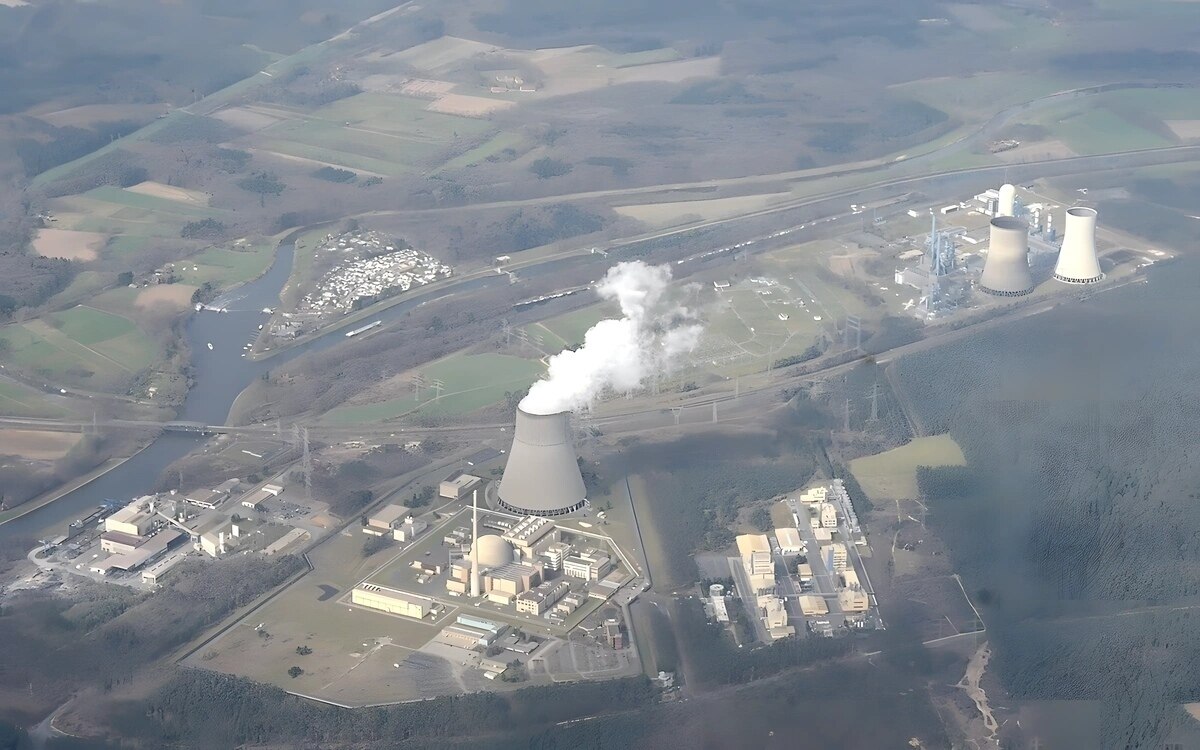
(563,374)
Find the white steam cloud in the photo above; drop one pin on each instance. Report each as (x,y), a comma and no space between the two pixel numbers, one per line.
(619,355)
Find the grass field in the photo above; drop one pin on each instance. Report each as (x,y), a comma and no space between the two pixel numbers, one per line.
(976,97)
(567,330)
(471,381)
(1099,129)
(892,475)
(17,400)
(78,343)
(483,151)
(225,266)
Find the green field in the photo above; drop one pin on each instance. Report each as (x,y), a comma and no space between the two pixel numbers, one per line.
(17,400)
(979,96)
(472,381)
(88,326)
(400,116)
(632,59)
(488,148)
(892,475)
(223,267)
(75,345)
(1099,130)
(567,330)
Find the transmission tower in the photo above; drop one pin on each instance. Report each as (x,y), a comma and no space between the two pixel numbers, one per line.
(437,389)
(853,326)
(417,381)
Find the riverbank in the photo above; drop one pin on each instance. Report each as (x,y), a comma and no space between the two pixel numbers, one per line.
(46,498)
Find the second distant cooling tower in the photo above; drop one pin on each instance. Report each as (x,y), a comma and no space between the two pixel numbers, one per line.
(1006,270)
(1077,261)
(542,476)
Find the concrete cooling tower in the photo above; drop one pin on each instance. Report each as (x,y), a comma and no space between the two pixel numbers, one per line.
(1077,261)
(542,475)
(1007,205)
(1006,270)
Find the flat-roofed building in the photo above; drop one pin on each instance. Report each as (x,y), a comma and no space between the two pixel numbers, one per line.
(255,498)
(472,621)
(120,543)
(835,557)
(542,597)
(386,520)
(823,536)
(828,515)
(285,541)
(775,617)
(392,601)
(465,636)
(218,535)
(155,573)
(205,498)
(134,519)
(458,487)
(814,495)
(853,600)
(555,553)
(755,551)
(529,533)
(804,572)
(512,578)
(409,529)
(589,565)
(789,541)
(149,551)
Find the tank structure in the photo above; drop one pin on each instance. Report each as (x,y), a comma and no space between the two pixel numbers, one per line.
(1007,204)
(1077,261)
(542,477)
(1006,270)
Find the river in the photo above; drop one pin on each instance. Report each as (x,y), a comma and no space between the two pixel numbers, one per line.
(218,376)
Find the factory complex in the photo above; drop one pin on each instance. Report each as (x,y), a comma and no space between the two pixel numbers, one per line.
(807,578)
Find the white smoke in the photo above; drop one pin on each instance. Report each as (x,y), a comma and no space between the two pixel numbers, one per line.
(619,355)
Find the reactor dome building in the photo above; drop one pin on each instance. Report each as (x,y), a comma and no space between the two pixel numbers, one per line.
(1007,204)
(493,552)
(542,477)
(1006,270)
(1077,261)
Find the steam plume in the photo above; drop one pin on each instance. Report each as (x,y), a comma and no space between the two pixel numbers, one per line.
(619,354)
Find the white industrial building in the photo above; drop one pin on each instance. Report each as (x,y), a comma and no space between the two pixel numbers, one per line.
(755,551)
(789,541)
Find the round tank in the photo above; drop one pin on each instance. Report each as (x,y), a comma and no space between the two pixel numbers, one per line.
(1007,205)
(542,475)
(716,590)
(1006,270)
(493,551)
(1077,261)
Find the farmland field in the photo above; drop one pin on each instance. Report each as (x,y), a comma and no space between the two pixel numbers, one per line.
(487,149)
(37,445)
(222,266)
(892,475)
(64,243)
(73,345)
(20,401)
(1098,130)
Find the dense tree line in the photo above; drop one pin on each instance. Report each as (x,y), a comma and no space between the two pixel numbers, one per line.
(54,146)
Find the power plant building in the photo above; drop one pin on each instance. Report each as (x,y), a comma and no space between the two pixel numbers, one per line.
(391,601)
(789,541)
(542,477)
(387,519)
(542,597)
(1006,204)
(1077,260)
(458,487)
(755,551)
(1006,269)
(531,533)
(835,557)
(590,565)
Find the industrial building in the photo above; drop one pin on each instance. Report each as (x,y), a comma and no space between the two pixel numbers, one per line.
(218,536)
(814,495)
(835,557)
(1006,204)
(409,529)
(554,554)
(458,487)
(755,551)
(589,565)
(828,516)
(134,519)
(1006,269)
(391,601)
(775,617)
(789,541)
(542,597)
(542,477)
(386,520)
(257,497)
(1077,260)
(530,533)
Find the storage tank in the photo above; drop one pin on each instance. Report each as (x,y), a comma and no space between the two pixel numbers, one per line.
(1007,205)
(542,476)
(1077,261)
(1006,270)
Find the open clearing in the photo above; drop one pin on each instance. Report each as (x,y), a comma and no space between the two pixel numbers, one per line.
(249,118)
(469,382)
(442,53)
(17,400)
(667,214)
(171,193)
(89,113)
(68,244)
(468,106)
(37,445)
(175,295)
(892,475)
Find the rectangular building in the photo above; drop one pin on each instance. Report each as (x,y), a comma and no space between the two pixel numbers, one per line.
(835,557)
(391,601)
(529,533)
(814,495)
(409,530)
(555,553)
(755,551)
(120,543)
(829,518)
(205,498)
(789,541)
(589,565)
(542,597)
(387,519)
(456,488)
(134,519)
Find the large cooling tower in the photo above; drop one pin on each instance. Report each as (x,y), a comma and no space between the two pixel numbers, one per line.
(1006,270)
(1007,205)
(1077,262)
(542,475)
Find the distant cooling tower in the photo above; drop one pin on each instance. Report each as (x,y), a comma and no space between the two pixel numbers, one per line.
(1007,205)
(1077,262)
(1006,270)
(542,475)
